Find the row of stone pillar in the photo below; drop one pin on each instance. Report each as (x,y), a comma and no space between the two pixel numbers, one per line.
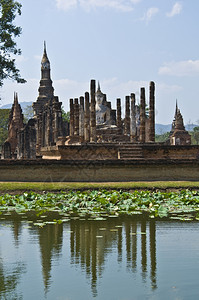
(130,127)
(83,116)
(151,121)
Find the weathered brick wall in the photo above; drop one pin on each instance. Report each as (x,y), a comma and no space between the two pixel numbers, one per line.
(110,151)
(81,152)
(56,171)
(158,151)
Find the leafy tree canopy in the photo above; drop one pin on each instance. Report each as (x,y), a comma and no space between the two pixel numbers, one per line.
(65,115)
(160,138)
(8,47)
(195,135)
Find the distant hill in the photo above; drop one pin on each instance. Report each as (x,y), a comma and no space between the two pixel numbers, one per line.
(23,105)
(160,128)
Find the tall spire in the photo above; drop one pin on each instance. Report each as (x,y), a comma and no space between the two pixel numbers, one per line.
(45,47)
(15,98)
(46,90)
(176,108)
(45,63)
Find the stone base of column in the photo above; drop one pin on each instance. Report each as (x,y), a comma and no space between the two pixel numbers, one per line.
(61,141)
(73,140)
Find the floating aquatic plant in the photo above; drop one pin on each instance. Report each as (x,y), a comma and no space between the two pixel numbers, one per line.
(100,204)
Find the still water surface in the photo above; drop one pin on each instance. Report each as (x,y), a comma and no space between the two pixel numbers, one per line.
(127,258)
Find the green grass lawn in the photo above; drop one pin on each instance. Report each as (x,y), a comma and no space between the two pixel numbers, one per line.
(58,186)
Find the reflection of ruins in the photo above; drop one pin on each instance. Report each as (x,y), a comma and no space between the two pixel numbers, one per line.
(50,240)
(91,242)
(10,274)
(9,279)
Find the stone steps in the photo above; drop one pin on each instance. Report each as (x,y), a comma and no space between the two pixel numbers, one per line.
(130,152)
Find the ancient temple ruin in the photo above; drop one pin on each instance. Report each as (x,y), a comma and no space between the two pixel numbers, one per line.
(96,131)
(15,124)
(26,140)
(93,120)
(178,134)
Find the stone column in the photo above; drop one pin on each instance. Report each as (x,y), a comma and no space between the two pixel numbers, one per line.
(119,118)
(71,118)
(92,113)
(152,112)
(87,118)
(133,119)
(76,117)
(48,127)
(142,116)
(127,116)
(57,129)
(39,132)
(81,118)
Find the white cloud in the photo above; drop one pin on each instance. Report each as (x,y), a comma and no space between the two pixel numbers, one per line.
(135,1)
(38,57)
(120,5)
(176,10)
(66,4)
(21,59)
(181,68)
(164,88)
(151,12)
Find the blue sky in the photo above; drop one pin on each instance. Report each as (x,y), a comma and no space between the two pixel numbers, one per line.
(122,43)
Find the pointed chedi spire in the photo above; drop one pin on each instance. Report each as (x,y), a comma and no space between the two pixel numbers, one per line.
(45,48)
(45,63)
(46,90)
(175,117)
(16,110)
(179,123)
(15,98)
(176,107)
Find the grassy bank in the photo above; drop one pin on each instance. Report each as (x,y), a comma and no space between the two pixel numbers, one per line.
(66,186)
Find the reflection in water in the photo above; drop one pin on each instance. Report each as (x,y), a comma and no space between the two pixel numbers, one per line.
(153,253)
(117,256)
(92,241)
(17,228)
(50,240)
(143,249)
(9,279)
(10,275)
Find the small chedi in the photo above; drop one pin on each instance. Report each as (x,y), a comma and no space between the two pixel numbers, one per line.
(15,123)
(95,130)
(178,134)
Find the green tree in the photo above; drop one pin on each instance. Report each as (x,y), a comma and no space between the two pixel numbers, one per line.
(195,135)
(28,113)
(160,138)
(65,115)
(8,47)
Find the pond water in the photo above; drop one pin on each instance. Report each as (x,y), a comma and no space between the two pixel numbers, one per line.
(123,258)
